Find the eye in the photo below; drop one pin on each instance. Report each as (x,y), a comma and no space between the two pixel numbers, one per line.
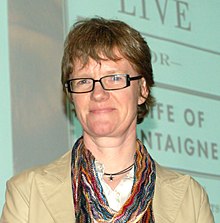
(116,78)
(81,82)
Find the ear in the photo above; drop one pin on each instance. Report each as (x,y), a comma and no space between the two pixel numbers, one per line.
(143,91)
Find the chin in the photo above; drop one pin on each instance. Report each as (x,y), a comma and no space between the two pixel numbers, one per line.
(101,131)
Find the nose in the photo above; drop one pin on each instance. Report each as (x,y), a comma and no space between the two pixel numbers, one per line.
(98,93)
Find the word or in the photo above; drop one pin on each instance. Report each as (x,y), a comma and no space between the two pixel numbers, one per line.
(161,58)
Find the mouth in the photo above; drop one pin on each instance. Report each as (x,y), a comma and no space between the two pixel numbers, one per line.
(101,110)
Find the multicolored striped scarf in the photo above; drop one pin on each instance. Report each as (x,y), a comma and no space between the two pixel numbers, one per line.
(89,199)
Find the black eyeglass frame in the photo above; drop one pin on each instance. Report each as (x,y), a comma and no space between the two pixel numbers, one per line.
(128,82)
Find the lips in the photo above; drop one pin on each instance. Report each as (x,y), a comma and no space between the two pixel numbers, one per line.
(101,110)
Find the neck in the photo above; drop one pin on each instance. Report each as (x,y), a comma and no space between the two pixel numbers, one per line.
(115,153)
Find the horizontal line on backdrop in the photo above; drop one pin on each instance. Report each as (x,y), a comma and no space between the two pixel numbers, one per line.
(198,174)
(181,43)
(187,91)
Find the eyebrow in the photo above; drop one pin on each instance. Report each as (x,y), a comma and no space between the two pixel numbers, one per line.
(108,72)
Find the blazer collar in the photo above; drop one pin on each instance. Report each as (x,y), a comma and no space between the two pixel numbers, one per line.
(169,193)
(54,185)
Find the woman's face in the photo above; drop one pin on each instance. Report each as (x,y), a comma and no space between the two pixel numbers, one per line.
(108,113)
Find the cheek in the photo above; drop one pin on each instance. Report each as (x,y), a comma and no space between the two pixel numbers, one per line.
(131,102)
(78,100)
(78,104)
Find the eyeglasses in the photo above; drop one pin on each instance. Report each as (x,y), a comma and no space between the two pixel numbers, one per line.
(108,83)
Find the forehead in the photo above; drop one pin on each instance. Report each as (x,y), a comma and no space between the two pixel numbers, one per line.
(105,64)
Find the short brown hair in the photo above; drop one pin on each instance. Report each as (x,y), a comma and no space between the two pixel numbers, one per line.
(98,37)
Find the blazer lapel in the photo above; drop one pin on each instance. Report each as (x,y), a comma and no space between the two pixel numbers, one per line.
(169,194)
(56,191)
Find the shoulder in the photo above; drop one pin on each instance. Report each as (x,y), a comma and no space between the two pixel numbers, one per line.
(179,196)
(24,180)
(31,188)
(168,176)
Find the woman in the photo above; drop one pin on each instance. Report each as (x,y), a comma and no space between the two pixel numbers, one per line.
(109,175)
